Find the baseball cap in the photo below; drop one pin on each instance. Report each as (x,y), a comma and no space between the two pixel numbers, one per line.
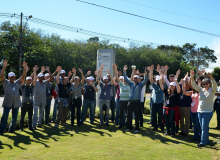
(63,71)
(11,74)
(27,78)
(136,76)
(172,84)
(105,77)
(40,75)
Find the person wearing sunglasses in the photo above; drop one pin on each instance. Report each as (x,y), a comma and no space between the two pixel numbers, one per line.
(205,107)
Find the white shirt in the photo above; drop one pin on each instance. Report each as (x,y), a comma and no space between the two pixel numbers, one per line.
(166,80)
(143,93)
(218,90)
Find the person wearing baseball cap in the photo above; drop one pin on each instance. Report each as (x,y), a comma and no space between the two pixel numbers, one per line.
(171,109)
(11,98)
(40,100)
(157,98)
(27,100)
(134,99)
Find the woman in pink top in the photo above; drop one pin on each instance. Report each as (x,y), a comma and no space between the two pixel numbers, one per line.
(193,113)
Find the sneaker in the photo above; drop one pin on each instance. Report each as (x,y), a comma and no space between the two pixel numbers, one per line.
(48,124)
(127,130)
(21,129)
(200,145)
(136,131)
(56,125)
(166,134)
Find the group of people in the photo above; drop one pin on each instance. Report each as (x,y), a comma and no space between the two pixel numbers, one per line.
(174,102)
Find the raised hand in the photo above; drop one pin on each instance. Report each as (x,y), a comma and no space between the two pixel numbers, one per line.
(187,74)
(27,68)
(96,73)
(43,69)
(73,70)
(192,73)
(47,68)
(119,73)
(58,68)
(5,63)
(151,67)
(102,67)
(88,73)
(24,65)
(137,72)
(69,73)
(148,68)
(80,70)
(203,72)
(108,71)
(162,69)
(175,77)
(125,68)
(166,67)
(35,68)
(209,74)
(158,68)
(178,72)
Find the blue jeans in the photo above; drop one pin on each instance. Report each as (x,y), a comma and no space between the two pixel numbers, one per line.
(204,120)
(157,108)
(55,111)
(86,104)
(117,119)
(197,128)
(169,120)
(4,119)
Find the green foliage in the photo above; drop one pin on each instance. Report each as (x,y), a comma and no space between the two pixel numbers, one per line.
(216,74)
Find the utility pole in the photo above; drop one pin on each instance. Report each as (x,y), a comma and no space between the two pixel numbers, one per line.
(197,68)
(20,47)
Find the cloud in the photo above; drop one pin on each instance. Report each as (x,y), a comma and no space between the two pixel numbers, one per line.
(215,45)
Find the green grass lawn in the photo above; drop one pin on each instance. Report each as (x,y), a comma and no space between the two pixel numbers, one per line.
(95,142)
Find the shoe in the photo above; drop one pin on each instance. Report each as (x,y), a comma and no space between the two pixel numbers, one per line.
(166,134)
(154,129)
(107,124)
(136,131)
(172,136)
(21,129)
(180,133)
(1,133)
(48,124)
(31,129)
(127,130)
(34,128)
(11,131)
(56,125)
(200,145)
(119,127)
(64,124)
(39,126)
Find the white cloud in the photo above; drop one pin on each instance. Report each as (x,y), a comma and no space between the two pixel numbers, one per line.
(215,45)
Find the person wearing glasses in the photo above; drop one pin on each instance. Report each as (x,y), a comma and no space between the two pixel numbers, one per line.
(205,108)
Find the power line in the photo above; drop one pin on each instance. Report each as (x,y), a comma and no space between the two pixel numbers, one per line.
(195,30)
(80,30)
(170,11)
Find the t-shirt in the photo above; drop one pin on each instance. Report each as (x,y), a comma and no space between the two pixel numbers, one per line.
(63,90)
(195,102)
(89,93)
(27,93)
(105,91)
(184,101)
(48,89)
(157,96)
(173,100)
(124,91)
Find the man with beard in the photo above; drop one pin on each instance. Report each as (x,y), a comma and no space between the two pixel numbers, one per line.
(12,97)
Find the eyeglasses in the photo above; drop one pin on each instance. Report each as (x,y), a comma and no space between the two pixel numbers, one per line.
(205,84)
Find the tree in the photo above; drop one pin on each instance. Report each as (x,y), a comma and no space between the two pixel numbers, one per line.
(216,74)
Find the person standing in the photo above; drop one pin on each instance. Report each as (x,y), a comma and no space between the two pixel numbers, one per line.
(217,106)
(205,108)
(105,97)
(134,98)
(27,100)
(12,97)
(40,100)
(89,98)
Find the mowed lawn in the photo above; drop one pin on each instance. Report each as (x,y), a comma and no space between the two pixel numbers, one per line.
(107,142)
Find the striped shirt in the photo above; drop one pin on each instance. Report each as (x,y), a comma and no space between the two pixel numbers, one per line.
(124,91)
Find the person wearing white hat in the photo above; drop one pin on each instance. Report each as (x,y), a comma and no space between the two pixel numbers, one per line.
(171,108)
(105,96)
(134,99)
(124,91)
(27,100)
(12,97)
(157,98)
(89,98)
(40,100)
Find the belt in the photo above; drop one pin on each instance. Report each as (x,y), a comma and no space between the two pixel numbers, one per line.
(89,99)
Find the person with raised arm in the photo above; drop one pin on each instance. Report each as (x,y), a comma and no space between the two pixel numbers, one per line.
(124,97)
(12,97)
(105,96)
(205,108)
(193,111)
(27,99)
(75,93)
(171,108)
(157,98)
(63,106)
(217,105)
(134,99)
(171,76)
(40,100)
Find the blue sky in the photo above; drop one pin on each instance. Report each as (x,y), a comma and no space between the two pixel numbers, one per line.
(77,14)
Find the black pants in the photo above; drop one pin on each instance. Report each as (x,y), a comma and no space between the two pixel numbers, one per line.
(122,110)
(75,103)
(141,113)
(112,107)
(26,108)
(133,106)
